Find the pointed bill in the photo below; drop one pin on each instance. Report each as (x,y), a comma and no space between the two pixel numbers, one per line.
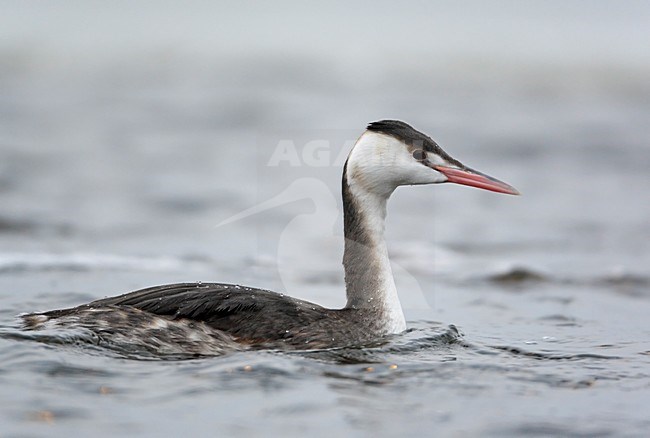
(473,178)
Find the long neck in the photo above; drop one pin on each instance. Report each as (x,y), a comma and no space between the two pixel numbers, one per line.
(368,276)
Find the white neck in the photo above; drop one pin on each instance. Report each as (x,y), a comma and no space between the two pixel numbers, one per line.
(368,275)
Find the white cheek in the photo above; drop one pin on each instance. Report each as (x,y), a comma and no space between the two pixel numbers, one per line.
(421,174)
(381,163)
(411,171)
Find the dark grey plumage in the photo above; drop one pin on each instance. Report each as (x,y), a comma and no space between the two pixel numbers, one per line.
(251,317)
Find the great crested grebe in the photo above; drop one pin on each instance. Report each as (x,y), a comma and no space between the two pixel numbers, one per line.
(213,317)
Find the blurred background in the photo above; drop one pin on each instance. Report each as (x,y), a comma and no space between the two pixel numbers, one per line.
(130,131)
(124,122)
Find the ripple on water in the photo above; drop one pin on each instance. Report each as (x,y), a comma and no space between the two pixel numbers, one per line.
(619,281)
(560,320)
(626,283)
(516,275)
(80,262)
(545,429)
(424,337)
(517,351)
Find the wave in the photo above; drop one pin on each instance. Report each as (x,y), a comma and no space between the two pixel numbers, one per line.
(26,262)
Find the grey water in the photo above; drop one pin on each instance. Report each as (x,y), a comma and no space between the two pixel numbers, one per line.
(144,145)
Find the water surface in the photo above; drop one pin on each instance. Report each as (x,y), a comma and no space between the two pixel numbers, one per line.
(119,164)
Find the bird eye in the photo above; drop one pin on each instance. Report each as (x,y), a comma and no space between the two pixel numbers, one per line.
(419,155)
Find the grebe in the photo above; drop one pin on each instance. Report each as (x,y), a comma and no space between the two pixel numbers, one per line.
(213,317)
